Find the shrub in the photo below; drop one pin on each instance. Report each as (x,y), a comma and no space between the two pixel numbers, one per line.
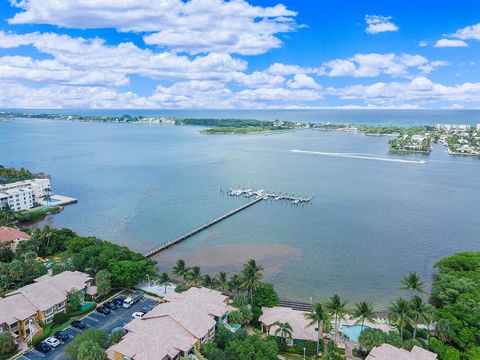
(60,318)
(8,345)
(181,288)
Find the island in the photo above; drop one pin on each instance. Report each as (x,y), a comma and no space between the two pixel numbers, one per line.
(458,139)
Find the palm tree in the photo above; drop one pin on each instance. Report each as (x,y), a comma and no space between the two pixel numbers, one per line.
(400,314)
(285,331)
(337,308)
(47,196)
(180,270)
(235,284)
(251,277)
(164,280)
(47,233)
(444,329)
(412,283)
(319,317)
(194,276)
(364,312)
(420,312)
(222,281)
(206,281)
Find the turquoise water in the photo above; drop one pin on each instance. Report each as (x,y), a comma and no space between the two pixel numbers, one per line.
(371,222)
(353,332)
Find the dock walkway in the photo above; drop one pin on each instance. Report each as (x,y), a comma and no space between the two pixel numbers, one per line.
(175,241)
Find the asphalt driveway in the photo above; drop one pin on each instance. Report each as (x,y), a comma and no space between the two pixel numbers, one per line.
(116,318)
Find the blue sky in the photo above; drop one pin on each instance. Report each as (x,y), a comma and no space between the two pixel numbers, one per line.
(239,54)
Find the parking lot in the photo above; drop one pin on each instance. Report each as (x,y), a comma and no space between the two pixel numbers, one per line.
(116,318)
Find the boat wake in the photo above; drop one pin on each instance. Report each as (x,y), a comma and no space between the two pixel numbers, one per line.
(360,156)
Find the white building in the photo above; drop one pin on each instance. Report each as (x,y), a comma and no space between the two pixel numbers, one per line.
(23,195)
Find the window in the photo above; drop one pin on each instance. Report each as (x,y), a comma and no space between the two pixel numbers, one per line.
(60,305)
(49,311)
(49,320)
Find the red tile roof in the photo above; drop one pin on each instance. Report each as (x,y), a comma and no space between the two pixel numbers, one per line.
(8,234)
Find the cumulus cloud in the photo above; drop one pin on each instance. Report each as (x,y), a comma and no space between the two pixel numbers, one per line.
(377,24)
(195,26)
(302,81)
(92,61)
(443,43)
(471,32)
(371,65)
(420,90)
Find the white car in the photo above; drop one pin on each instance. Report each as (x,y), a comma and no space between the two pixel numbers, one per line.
(52,342)
(137,315)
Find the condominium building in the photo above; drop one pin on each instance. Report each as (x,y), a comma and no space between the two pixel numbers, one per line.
(24,195)
(173,329)
(23,310)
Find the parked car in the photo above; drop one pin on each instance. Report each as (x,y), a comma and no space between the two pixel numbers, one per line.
(111,305)
(103,310)
(132,299)
(52,341)
(145,309)
(61,335)
(119,300)
(43,347)
(137,315)
(77,324)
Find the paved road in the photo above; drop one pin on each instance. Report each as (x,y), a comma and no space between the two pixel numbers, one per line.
(116,318)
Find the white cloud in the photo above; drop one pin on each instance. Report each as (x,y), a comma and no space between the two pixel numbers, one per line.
(422,44)
(420,90)
(372,65)
(471,32)
(378,24)
(284,69)
(195,26)
(76,60)
(302,81)
(443,43)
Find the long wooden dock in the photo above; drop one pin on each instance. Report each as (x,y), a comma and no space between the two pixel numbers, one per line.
(170,243)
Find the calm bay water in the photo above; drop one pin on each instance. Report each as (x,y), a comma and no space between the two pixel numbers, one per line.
(371,222)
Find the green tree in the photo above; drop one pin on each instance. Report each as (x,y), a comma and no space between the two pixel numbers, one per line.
(91,334)
(319,317)
(90,350)
(8,345)
(364,312)
(116,336)
(239,301)
(103,280)
(6,253)
(251,278)
(420,312)
(253,348)
(370,338)
(74,300)
(285,331)
(235,283)
(400,314)
(194,276)
(443,329)
(164,280)
(265,296)
(337,308)
(221,281)
(207,281)
(180,270)
(412,283)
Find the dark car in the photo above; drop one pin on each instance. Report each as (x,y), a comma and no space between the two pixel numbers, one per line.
(43,348)
(111,305)
(77,324)
(61,335)
(103,310)
(145,309)
(118,301)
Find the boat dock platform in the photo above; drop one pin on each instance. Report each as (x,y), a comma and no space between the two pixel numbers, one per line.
(269,195)
(258,196)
